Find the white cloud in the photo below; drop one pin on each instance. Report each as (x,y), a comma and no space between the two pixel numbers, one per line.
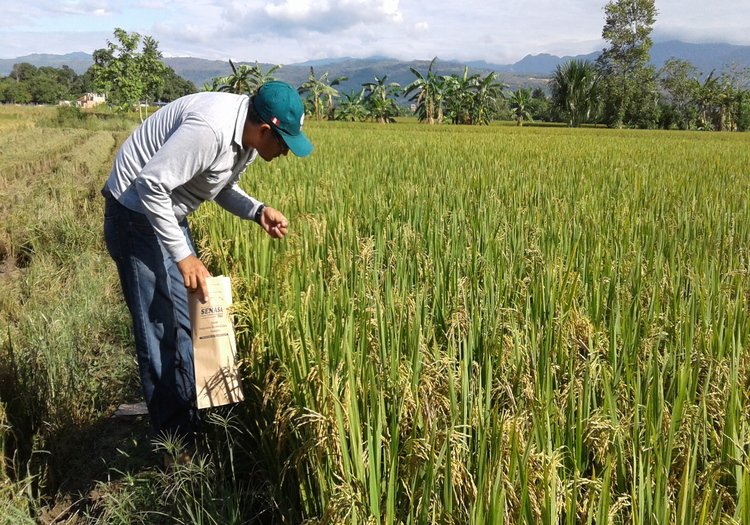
(284,31)
(300,17)
(152,4)
(86,7)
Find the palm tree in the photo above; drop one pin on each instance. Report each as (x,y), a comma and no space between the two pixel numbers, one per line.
(574,90)
(428,94)
(378,97)
(520,104)
(245,79)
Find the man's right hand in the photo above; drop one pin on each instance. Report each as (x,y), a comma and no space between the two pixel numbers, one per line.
(194,275)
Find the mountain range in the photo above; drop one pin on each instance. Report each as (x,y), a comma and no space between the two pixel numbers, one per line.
(531,71)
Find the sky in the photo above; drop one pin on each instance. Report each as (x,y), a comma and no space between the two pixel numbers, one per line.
(292,31)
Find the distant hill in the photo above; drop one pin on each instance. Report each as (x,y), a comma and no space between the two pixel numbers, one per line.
(546,64)
(706,57)
(78,62)
(531,71)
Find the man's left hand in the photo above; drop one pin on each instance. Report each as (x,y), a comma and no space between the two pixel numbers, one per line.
(274,222)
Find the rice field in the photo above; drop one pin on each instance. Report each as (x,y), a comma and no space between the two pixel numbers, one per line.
(465,325)
(498,325)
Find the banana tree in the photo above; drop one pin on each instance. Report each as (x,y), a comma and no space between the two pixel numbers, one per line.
(716,99)
(520,105)
(428,94)
(488,91)
(378,97)
(245,79)
(459,93)
(319,89)
(353,107)
(330,93)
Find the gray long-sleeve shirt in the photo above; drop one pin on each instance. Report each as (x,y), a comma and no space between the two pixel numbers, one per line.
(188,152)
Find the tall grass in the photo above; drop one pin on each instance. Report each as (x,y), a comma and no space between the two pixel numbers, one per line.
(496,325)
(63,358)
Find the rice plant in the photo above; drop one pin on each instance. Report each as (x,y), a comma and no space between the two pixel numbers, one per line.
(488,325)
(497,325)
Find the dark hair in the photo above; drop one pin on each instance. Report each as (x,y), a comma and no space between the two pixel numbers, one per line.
(252,115)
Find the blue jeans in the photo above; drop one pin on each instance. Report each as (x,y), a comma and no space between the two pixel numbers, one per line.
(157,299)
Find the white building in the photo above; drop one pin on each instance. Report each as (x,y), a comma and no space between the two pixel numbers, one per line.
(90,100)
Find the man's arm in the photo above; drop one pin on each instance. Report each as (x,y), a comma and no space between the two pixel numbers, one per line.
(236,201)
(190,150)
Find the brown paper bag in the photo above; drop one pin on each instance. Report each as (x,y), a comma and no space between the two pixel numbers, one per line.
(214,346)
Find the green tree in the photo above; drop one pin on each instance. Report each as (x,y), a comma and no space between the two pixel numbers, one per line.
(520,104)
(84,83)
(378,97)
(244,79)
(330,93)
(459,96)
(677,79)
(65,78)
(743,110)
(353,107)
(487,93)
(46,88)
(736,82)
(213,85)
(152,69)
(708,102)
(43,85)
(124,73)
(173,87)
(574,91)
(23,71)
(320,93)
(427,93)
(471,99)
(15,92)
(540,106)
(629,87)
(721,103)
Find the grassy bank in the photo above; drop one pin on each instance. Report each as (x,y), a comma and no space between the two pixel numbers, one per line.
(64,352)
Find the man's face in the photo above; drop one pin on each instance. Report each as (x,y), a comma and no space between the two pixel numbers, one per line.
(271,144)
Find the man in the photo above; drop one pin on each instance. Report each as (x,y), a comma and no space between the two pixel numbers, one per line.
(190,151)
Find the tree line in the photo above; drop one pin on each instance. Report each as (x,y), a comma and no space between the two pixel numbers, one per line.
(129,71)
(459,99)
(620,89)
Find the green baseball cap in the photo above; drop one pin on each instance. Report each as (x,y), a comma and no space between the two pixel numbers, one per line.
(279,106)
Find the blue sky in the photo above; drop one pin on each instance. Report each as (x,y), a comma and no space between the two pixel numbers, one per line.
(287,31)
